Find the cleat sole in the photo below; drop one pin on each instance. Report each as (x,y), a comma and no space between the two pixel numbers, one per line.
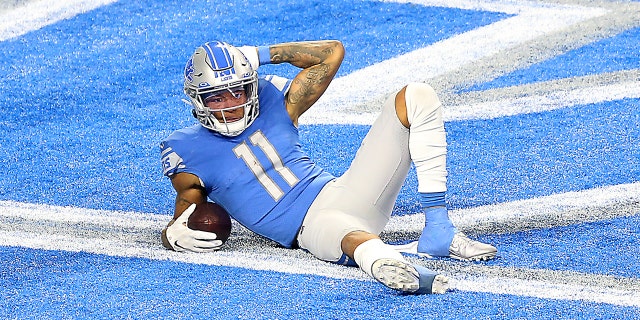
(405,277)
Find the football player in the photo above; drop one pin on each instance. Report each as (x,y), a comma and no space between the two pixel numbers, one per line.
(245,155)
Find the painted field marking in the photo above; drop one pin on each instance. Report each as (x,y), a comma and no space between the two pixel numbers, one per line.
(33,15)
(350,99)
(132,234)
(136,234)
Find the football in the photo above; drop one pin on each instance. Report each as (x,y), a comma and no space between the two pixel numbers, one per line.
(211,217)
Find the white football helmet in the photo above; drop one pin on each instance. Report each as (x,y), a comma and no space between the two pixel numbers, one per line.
(217,66)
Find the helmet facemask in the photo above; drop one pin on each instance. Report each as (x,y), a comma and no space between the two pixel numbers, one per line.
(218,67)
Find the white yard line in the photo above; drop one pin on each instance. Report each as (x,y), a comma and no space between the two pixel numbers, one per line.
(269,259)
(34,15)
(283,262)
(570,207)
(348,100)
(565,207)
(114,228)
(501,107)
(106,232)
(539,103)
(504,6)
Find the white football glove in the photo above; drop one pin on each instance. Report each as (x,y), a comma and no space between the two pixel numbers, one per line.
(181,238)
(252,55)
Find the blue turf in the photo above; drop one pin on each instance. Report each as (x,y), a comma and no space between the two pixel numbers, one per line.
(490,161)
(607,55)
(86,100)
(538,154)
(517,157)
(608,247)
(41,284)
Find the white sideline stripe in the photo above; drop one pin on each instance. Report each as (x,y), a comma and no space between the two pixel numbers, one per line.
(434,60)
(509,7)
(288,261)
(282,263)
(29,211)
(503,107)
(37,14)
(346,99)
(570,203)
(465,218)
(538,103)
(340,105)
(255,260)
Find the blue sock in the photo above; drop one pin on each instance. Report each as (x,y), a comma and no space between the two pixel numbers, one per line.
(438,231)
(432,199)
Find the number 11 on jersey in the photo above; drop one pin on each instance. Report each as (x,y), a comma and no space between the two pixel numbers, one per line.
(243,151)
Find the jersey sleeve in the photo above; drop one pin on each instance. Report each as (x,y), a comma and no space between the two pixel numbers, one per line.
(282,84)
(172,163)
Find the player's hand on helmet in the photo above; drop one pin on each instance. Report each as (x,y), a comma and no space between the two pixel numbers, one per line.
(177,236)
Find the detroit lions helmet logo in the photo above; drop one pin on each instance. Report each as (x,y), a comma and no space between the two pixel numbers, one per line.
(188,71)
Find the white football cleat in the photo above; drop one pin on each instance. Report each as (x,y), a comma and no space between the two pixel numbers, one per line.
(408,278)
(461,248)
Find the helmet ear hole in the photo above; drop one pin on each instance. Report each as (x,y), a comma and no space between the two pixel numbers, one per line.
(193,113)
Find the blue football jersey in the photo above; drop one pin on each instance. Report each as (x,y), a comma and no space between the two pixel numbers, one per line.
(261,177)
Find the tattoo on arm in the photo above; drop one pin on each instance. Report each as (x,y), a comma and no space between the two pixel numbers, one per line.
(309,84)
(311,57)
(319,61)
(301,55)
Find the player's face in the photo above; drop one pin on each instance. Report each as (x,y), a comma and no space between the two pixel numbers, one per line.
(227,104)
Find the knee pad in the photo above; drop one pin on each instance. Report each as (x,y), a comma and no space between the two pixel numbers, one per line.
(427,138)
(423,104)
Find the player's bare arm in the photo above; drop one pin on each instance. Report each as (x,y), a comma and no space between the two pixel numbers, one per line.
(319,60)
(188,190)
